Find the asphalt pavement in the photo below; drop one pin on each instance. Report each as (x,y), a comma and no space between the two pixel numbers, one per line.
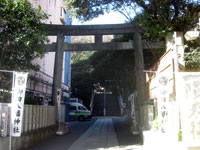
(105,133)
(124,135)
(76,129)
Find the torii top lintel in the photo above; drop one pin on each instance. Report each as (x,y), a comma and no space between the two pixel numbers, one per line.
(77,30)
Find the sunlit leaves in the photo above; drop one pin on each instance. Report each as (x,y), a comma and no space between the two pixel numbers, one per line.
(21,35)
(156,17)
(192,55)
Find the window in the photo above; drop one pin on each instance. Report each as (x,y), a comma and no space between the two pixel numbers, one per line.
(81,108)
(72,107)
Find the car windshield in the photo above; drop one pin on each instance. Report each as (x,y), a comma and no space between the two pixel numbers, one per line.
(81,108)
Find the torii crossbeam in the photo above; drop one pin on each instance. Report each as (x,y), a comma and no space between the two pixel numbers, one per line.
(98,31)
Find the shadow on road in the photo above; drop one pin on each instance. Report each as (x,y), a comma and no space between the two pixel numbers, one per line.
(124,136)
(77,128)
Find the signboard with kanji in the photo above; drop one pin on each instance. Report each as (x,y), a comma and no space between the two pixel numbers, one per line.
(188,91)
(18,95)
(163,101)
(58,102)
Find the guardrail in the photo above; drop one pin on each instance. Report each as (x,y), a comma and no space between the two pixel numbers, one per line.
(34,117)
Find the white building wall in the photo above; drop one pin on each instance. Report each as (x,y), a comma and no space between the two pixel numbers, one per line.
(53,9)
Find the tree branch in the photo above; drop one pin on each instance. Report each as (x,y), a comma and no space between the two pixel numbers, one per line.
(121,12)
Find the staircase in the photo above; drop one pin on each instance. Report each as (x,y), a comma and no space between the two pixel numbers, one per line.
(98,105)
(112,105)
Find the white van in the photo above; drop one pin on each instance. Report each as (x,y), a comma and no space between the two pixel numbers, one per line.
(79,111)
(76,100)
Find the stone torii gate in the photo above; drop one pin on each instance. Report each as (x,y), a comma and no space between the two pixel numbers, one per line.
(98,31)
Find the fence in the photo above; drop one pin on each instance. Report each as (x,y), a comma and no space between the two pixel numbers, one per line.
(34,117)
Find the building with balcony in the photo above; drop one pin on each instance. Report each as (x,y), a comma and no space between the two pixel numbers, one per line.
(40,83)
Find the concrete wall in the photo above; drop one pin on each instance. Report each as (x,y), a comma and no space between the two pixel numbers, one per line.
(161,90)
(28,139)
(164,66)
(165,132)
(38,124)
(34,117)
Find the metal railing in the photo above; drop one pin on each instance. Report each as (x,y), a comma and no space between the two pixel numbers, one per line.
(42,83)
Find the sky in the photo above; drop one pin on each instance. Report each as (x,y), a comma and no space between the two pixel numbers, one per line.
(107,18)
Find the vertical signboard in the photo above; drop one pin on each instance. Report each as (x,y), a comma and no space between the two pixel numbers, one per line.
(163,100)
(19,89)
(58,103)
(188,90)
(59,107)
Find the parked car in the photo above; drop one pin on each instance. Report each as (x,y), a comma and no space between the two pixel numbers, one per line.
(79,111)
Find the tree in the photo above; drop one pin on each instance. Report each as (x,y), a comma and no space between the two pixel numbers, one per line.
(114,70)
(156,17)
(21,35)
(21,40)
(78,56)
(82,80)
(162,17)
(89,9)
(192,55)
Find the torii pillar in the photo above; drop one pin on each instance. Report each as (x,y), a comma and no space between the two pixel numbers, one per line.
(140,76)
(58,65)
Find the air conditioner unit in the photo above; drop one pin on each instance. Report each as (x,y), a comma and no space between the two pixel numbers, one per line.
(62,15)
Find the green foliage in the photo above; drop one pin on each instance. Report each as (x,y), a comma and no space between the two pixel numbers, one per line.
(82,86)
(156,17)
(76,57)
(21,35)
(180,136)
(192,55)
(5,97)
(114,69)
(150,56)
(155,124)
(163,17)
(82,79)
(30,99)
(5,86)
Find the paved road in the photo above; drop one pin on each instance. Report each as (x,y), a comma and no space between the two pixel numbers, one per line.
(98,134)
(125,138)
(64,142)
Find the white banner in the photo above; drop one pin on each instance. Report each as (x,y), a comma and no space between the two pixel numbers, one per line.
(17,105)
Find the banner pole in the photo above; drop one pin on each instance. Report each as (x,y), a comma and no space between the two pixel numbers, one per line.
(10,141)
(13,84)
